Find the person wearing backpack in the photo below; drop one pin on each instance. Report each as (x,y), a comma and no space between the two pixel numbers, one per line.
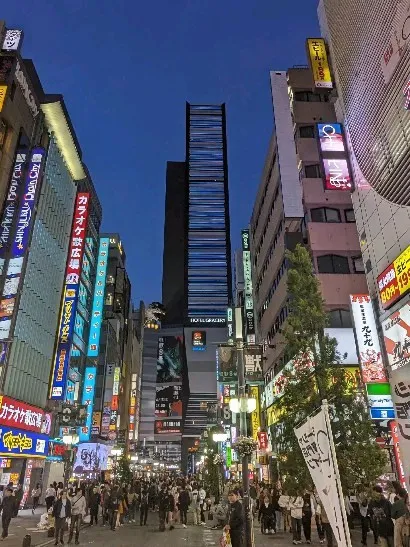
(296,506)
(380,513)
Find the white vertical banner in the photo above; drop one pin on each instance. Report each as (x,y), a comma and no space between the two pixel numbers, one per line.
(316,442)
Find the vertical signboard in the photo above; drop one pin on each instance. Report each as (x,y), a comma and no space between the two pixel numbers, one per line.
(11,202)
(3,92)
(248,300)
(98,301)
(22,230)
(229,324)
(114,399)
(255,415)
(367,339)
(319,63)
(12,40)
(70,297)
(396,331)
(133,408)
(90,377)
(334,157)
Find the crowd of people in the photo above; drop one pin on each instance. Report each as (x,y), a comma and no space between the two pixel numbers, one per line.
(173,498)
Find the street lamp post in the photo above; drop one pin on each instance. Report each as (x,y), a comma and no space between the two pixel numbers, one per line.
(242,423)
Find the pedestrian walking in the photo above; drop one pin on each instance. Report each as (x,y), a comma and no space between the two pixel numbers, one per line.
(162,507)
(61,512)
(35,494)
(113,506)
(266,517)
(195,505)
(8,512)
(236,522)
(398,513)
(132,503)
(278,511)
(327,529)
(202,497)
(381,516)
(283,501)
(78,509)
(144,506)
(184,501)
(50,496)
(18,496)
(307,513)
(295,506)
(93,505)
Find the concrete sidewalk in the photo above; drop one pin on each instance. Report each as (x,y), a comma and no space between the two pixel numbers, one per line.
(26,523)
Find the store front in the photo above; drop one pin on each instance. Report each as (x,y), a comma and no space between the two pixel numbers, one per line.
(24,438)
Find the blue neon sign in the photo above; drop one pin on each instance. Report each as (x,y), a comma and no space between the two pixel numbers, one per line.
(98,301)
(22,443)
(88,400)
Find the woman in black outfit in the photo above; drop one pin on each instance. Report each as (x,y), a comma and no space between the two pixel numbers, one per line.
(307,512)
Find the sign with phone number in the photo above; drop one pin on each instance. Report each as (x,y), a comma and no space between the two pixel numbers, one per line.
(394,281)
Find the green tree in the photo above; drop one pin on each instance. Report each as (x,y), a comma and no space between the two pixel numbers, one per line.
(317,373)
(123,470)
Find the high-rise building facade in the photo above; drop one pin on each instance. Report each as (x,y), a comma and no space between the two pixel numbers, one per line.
(368,46)
(209,283)
(295,204)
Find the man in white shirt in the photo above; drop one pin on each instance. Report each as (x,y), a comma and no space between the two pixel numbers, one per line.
(78,510)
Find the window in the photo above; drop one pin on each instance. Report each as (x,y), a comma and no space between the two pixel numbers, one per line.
(349,214)
(109,299)
(333,264)
(307,132)
(340,319)
(309,96)
(325,214)
(358,264)
(313,171)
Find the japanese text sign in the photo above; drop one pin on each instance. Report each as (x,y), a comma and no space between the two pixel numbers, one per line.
(71,291)
(20,415)
(88,400)
(253,363)
(25,212)
(319,63)
(98,301)
(22,443)
(394,281)
(367,339)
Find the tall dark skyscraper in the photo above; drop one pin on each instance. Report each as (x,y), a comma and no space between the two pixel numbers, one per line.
(196,282)
(175,238)
(208,265)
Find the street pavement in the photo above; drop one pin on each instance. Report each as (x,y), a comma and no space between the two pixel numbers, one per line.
(131,535)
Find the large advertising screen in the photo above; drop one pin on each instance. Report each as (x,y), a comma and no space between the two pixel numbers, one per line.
(337,174)
(170,359)
(71,290)
(91,457)
(331,137)
(168,401)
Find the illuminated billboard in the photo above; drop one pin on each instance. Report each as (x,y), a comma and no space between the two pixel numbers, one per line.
(367,339)
(337,174)
(331,137)
(70,296)
(3,91)
(394,281)
(16,227)
(249,314)
(168,401)
(319,63)
(98,301)
(169,360)
(198,340)
(90,378)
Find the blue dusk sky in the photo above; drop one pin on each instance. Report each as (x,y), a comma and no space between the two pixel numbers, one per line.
(127,67)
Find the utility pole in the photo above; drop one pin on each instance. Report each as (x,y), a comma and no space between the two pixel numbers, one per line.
(243,424)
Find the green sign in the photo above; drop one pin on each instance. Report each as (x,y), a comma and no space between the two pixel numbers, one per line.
(228,456)
(378,389)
